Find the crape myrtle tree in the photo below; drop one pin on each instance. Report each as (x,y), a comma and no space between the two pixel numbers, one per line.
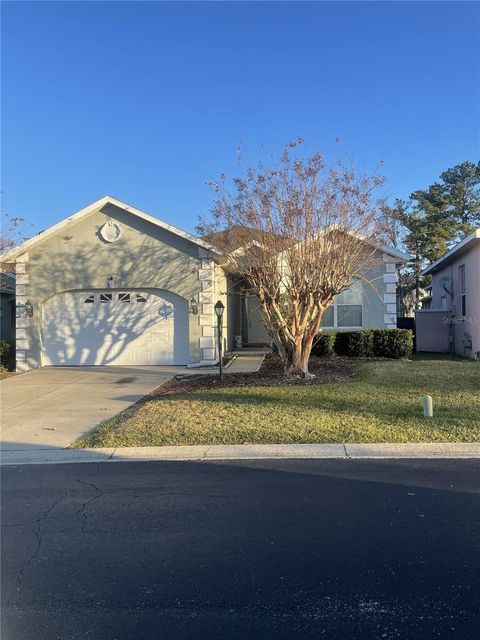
(297,233)
(11,234)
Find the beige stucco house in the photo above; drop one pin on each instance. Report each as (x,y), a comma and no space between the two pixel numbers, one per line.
(451,323)
(113,285)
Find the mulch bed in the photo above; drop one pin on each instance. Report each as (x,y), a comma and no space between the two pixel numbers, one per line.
(270,374)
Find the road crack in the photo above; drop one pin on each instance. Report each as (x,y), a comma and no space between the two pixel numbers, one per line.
(83,508)
(39,540)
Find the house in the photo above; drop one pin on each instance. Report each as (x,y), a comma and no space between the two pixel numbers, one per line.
(113,285)
(426,300)
(451,324)
(7,305)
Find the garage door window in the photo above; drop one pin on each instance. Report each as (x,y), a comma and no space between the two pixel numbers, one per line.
(141,298)
(89,300)
(124,297)
(106,297)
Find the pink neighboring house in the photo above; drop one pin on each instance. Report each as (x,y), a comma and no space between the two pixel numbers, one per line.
(452,324)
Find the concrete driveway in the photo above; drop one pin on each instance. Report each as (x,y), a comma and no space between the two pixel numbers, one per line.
(51,407)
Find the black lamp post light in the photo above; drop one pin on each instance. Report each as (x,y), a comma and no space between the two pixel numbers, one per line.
(219,309)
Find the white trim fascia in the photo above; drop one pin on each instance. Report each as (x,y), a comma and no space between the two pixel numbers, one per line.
(98,204)
(396,253)
(460,245)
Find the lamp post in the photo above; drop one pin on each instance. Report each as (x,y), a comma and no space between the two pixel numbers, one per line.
(219,309)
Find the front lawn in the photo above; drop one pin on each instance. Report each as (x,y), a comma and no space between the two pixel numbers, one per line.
(351,401)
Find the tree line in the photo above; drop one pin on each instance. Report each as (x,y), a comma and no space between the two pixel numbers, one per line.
(430,222)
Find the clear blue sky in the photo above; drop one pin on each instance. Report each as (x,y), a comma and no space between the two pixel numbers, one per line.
(147,101)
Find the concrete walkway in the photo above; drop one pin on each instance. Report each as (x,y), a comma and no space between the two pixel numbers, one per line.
(244,452)
(240,364)
(50,408)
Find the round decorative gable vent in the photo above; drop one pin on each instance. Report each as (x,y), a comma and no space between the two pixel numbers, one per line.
(110,231)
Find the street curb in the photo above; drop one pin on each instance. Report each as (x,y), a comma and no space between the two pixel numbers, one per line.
(243,452)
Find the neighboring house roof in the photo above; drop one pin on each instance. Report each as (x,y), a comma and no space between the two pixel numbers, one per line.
(454,253)
(98,204)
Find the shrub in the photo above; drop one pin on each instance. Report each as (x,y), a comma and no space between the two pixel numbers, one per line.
(353,344)
(324,344)
(380,343)
(392,343)
(7,355)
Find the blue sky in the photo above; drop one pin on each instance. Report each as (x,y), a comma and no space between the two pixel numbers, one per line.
(147,101)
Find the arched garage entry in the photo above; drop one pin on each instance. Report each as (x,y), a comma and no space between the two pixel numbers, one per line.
(115,327)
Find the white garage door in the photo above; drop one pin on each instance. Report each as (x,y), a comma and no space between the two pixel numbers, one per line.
(115,328)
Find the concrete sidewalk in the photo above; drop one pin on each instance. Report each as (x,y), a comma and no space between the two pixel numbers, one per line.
(243,452)
(244,363)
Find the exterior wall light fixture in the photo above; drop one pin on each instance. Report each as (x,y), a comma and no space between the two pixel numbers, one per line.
(194,306)
(24,310)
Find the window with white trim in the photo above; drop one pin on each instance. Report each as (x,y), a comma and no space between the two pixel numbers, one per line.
(106,297)
(141,297)
(124,297)
(89,299)
(346,310)
(463,289)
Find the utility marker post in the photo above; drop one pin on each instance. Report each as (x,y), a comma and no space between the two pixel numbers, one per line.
(427,406)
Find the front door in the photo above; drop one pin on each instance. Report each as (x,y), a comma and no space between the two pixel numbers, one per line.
(256,331)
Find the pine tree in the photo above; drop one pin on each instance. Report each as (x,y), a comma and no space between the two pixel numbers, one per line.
(461,190)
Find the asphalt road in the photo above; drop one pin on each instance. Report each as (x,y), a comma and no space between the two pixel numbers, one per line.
(335,549)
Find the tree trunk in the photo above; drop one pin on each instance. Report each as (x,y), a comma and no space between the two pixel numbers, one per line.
(297,355)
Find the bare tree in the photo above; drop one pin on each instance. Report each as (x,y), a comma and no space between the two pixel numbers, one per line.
(306,231)
(11,234)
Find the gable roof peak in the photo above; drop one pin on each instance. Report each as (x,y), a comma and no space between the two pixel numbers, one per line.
(91,208)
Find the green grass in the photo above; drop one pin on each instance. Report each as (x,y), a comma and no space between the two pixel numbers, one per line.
(383,404)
